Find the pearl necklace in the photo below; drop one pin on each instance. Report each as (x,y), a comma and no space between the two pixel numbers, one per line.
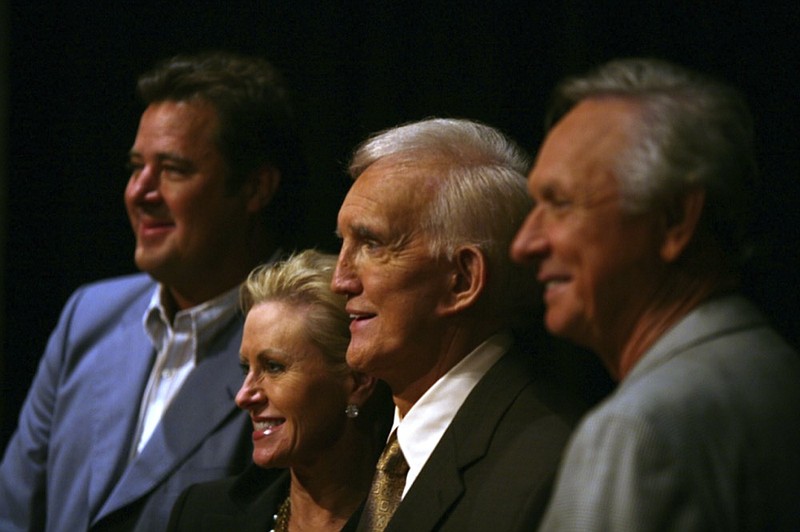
(280,520)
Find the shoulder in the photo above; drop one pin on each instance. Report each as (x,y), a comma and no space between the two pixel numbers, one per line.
(116,292)
(701,399)
(123,287)
(532,397)
(105,303)
(233,501)
(506,420)
(193,506)
(723,361)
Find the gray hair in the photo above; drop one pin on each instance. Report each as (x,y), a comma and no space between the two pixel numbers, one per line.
(694,132)
(481,198)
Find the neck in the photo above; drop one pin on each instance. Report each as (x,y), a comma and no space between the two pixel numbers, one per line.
(179,299)
(196,289)
(452,349)
(324,495)
(675,297)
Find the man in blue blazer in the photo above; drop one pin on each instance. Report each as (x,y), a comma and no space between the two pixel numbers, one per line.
(433,299)
(638,232)
(133,399)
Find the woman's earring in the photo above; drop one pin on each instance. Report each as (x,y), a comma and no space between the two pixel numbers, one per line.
(351,411)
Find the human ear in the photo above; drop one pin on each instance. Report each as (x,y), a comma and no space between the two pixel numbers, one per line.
(681,224)
(361,388)
(467,280)
(261,188)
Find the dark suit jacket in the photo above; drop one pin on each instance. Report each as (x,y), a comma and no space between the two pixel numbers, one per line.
(494,467)
(244,503)
(66,467)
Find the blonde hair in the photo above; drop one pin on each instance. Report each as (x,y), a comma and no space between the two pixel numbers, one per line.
(303,281)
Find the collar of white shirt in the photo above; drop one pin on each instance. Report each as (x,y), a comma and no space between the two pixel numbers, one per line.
(422,427)
(179,347)
(201,322)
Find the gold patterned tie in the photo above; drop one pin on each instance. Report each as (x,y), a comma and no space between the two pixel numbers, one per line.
(387,487)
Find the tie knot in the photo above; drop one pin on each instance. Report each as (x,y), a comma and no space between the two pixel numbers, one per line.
(392,461)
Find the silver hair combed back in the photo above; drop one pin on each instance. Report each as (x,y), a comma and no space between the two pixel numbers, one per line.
(694,132)
(482,196)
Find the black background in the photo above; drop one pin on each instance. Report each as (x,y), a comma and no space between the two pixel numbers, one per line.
(355,68)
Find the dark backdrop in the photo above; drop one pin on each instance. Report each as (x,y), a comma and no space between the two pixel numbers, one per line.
(355,68)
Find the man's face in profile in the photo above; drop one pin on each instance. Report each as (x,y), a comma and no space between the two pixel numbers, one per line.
(387,271)
(596,261)
(188,227)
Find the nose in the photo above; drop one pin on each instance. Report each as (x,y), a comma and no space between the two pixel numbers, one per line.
(530,243)
(344,280)
(143,184)
(250,395)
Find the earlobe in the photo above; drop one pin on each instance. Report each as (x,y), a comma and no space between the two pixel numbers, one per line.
(467,281)
(362,388)
(681,224)
(261,188)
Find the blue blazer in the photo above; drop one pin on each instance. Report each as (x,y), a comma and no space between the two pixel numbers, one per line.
(67,465)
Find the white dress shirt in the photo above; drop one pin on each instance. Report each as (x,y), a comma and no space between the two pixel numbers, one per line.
(423,426)
(176,347)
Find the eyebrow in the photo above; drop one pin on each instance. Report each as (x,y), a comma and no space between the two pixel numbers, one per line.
(359,230)
(264,354)
(165,156)
(362,231)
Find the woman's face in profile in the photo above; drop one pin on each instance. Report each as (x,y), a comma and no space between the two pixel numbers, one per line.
(295,400)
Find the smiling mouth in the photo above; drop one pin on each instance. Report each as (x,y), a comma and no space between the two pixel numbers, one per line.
(266,427)
(154,229)
(155,224)
(361,317)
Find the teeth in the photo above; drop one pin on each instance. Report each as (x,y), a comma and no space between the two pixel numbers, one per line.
(263,426)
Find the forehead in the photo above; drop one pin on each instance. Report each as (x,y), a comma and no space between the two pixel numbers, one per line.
(275,324)
(587,143)
(188,125)
(395,193)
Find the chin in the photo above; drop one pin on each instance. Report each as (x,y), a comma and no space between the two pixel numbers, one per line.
(559,325)
(357,360)
(266,462)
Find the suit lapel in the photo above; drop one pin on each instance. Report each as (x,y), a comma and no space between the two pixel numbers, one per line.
(437,487)
(200,406)
(114,421)
(440,483)
(258,515)
(255,496)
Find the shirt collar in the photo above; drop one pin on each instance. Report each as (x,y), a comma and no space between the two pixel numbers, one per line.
(424,424)
(202,321)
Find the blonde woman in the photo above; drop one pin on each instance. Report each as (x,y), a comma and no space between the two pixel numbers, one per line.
(312,415)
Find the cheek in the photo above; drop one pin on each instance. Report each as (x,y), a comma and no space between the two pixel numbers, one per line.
(198,221)
(561,240)
(320,412)
(178,201)
(614,266)
(583,244)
